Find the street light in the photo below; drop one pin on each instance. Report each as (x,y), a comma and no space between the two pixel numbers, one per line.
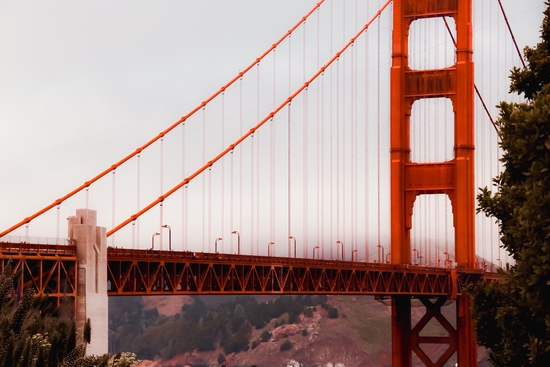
(153,240)
(169,236)
(238,241)
(388,257)
(353,252)
(416,256)
(341,243)
(447,260)
(216,243)
(269,247)
(380,247)
(315,248)
(294,239)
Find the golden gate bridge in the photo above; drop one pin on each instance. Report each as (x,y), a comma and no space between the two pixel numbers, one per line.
(301,175)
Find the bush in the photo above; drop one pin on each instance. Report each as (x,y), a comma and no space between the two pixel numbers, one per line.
(266,335)
(235,344)
(332,313)
(286,345)
(255,343)
(304,332)
(221,358)
(308,312)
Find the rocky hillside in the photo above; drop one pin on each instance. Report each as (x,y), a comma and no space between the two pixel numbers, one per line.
(339,330)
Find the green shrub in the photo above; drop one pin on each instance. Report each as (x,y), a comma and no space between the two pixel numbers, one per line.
(221,358)
(332,313)
(286,345)
(266,335)
(304,332)
(308,312)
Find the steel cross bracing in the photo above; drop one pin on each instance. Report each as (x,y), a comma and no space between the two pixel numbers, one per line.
(49,269)
(52,270)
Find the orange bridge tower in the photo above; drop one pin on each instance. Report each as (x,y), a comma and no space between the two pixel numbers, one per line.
(455,177)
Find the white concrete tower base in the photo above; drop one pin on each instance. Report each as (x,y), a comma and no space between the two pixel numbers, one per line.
(91,299)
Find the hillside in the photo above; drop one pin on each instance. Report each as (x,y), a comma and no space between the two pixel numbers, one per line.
(358,335)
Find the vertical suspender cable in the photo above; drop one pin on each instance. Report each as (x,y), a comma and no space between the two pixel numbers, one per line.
(338,149)
(222,221)
(138,196)
(161,189)
(113,207)
(184,204)
(322,172)
(209,209)
(378,130)
(58,225)
(161,216)
(258,167)
(305,234)
(87,197)
(331,128)
(366,190)
(288,153)
(240,156)
(344,126)
(204,180)
(272,160)
(289,187)
(320,239)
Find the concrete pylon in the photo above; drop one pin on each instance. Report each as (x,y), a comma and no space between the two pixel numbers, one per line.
(91,299)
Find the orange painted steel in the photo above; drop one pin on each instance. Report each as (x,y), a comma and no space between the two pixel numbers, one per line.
(454,178)
(49,269)
(150,272)
(164,132)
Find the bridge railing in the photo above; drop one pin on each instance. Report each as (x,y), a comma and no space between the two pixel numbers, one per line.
(37,249)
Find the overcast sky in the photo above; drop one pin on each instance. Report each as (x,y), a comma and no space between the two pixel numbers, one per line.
(84,83)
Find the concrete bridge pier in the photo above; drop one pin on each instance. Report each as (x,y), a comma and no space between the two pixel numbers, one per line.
(91,299)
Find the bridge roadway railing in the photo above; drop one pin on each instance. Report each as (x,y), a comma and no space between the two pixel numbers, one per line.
(155,272)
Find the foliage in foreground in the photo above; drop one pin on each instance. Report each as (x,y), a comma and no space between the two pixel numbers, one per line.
(33,333)
(513,318)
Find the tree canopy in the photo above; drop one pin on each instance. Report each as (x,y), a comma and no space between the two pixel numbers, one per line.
(513,317)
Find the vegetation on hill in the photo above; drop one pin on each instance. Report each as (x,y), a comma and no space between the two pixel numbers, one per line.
(200,327)
(513,319)
(34,333)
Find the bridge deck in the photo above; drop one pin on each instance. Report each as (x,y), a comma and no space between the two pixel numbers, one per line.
(52,269)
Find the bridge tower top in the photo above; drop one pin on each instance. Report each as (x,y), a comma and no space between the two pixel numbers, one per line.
(454,178)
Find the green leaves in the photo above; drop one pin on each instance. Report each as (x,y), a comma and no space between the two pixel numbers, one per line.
(512,318)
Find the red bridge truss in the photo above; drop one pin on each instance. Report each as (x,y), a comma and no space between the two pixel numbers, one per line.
(52,270)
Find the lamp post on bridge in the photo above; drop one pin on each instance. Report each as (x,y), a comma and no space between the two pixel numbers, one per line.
(380,259)
(294,239)
(238,241)
(417,257)
(153,240)
(341,243)
(169,236)
(216,243)
(269,248)
(315,248)
(447,259)
(352,253)
(388,257)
